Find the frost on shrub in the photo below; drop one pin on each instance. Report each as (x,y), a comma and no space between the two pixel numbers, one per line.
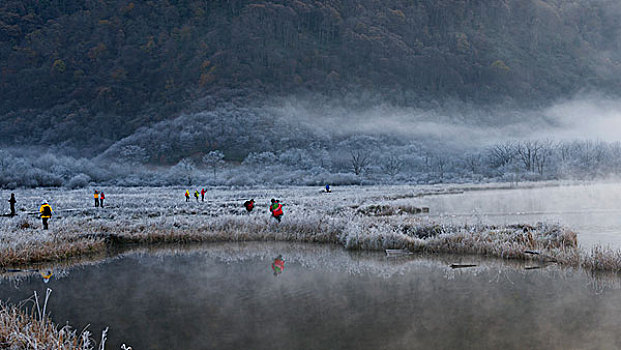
(262,159)
(241,179)
(79,181)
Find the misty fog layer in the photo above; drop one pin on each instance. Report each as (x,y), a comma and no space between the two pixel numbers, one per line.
(313,141)
(227,297)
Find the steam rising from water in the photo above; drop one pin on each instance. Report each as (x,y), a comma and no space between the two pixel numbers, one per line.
(226,297)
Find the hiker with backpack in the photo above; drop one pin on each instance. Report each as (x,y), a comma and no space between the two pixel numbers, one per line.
(46,213)
(276,209)
(249,205)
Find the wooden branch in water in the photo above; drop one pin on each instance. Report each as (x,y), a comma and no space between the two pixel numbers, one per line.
(544,257)
(459,266)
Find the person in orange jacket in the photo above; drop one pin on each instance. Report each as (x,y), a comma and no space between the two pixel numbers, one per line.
(96,196)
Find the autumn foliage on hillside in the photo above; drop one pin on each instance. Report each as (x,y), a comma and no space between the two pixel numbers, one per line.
(128,63)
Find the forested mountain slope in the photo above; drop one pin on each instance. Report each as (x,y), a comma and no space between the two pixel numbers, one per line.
(90,72)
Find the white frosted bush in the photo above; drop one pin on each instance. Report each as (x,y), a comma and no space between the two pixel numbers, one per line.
(79,181)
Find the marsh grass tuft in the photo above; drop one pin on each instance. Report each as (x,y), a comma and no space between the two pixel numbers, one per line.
(21,328)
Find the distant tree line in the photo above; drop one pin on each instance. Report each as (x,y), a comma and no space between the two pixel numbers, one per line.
(352,160)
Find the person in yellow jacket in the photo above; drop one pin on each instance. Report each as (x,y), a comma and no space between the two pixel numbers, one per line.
(46,274)
(46,213)
(187,195)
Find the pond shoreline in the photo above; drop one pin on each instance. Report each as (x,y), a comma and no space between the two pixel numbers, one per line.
(549,243)
(365,218)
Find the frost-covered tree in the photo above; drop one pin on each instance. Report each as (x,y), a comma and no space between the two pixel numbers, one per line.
(359,161)
(134,154)
(261,158)
(391,165)
(182,172)
(214,160)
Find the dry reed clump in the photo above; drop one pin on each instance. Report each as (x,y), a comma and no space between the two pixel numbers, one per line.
(558,244)
(58,249)
(21,329)
(388,210)
(602,259)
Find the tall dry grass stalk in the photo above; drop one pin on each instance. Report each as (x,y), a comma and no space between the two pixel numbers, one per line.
(21,328)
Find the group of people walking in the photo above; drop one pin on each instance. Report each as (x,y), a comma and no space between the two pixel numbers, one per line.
(196,193)
(275,208)
(275,205)
(45,211)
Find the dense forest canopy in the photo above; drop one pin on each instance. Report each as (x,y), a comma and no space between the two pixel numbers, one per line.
(176,79)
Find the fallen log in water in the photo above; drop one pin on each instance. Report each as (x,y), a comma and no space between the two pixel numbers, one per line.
(459,266)
(544,257)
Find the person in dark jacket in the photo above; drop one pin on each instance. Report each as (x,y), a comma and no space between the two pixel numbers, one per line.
(249,205)
(12,202)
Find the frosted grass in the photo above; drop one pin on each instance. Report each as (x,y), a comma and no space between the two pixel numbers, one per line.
(21,328)
(161,215)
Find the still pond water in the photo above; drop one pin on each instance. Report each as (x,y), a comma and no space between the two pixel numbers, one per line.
(591,210)
(228,296)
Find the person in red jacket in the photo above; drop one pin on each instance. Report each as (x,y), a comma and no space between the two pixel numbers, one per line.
(276,209)
(203,195)
(102,196)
